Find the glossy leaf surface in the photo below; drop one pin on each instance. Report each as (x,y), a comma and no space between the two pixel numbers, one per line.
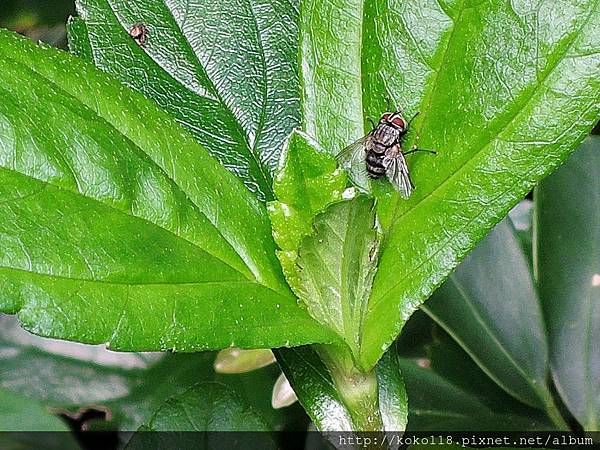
(125,231)
(567,261)
(445,385)
(436,402)
(231,79)
(205,407)
(505,90)
(490,307)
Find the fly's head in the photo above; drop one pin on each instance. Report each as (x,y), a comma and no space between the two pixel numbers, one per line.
(395,120)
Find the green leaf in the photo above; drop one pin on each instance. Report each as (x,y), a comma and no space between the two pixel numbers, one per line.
(444,381)
(22,414)
(336,266)
(448,360)
(436,403)
(231,79)
(505,93)
(331,75)
(204,407)
(207,406)
(313,384)
(314,388)
(118,228)
(490,307)
(567,261)
(307,181)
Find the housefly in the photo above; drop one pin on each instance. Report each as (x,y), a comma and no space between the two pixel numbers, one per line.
(381,153)
(139,33)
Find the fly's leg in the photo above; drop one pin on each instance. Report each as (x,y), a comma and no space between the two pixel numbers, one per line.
(416,149)
(413,118)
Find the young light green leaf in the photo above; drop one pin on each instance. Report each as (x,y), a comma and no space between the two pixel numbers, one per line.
(521,216)
(505,90)
(235,360)
(336,266)
(119,228)
(490,307)
(567,262)
(307,181)
(233,83)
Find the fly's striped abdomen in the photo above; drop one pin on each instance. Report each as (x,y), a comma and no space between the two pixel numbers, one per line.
(374,163)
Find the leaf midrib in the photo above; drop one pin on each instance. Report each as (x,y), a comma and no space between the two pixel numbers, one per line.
(148,158)
(532,384)
(213,89)
(121,283)
(121,212)
(467,164)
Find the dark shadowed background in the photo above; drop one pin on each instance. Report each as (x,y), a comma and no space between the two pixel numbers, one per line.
(40,20)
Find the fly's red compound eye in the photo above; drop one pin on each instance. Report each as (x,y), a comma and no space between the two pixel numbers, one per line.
(399,121)
(385,117)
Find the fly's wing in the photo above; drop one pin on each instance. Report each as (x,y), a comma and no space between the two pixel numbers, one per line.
(352,155)
(397,172)
(352,159)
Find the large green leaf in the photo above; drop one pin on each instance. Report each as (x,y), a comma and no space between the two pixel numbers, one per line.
(505,90)
(205,407)
(489,305)
(567,261)
(447,388)
(230,78)
(118,228)
(438,403)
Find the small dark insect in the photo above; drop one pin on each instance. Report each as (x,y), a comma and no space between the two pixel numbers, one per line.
(381,152)
(139,33)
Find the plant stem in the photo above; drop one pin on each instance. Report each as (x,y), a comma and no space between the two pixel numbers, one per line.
(358,390)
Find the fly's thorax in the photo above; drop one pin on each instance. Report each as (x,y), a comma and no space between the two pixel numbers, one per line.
(386,135)
(374,146)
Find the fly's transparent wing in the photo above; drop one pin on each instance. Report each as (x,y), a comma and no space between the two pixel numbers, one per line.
(397,172)
(352,159)
(352,155)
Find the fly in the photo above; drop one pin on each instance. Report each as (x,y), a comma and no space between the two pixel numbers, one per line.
(139,33)
(381,152)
